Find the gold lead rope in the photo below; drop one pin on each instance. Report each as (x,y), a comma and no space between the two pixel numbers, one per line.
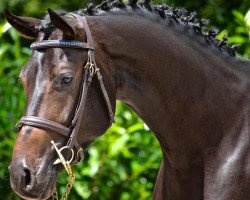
(68,186)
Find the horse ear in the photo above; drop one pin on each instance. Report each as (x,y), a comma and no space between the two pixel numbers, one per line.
(24,25)
(60,23)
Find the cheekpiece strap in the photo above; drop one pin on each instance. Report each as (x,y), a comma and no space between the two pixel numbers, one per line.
(97,70)
(60,44)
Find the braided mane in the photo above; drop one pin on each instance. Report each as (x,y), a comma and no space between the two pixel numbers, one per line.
(175,17)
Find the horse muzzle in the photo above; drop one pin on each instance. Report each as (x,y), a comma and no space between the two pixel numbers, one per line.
(32,174)
(31,184)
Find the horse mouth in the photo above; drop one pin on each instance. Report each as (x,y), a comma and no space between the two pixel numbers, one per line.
(51,186)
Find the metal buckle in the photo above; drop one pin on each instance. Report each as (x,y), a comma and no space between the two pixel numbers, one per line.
(91,67)
(19,125)
(80,154)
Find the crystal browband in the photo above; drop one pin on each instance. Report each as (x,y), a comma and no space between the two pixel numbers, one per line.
(60,44)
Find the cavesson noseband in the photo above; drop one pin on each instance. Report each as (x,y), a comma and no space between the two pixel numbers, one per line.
(90,70)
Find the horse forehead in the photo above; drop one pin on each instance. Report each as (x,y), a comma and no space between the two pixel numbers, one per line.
(53,56)
(40,63)
(50,58)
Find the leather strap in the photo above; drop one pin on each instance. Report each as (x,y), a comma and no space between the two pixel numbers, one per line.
(59,44)
(72,142)
(92,60)
(45,124)
(106,97)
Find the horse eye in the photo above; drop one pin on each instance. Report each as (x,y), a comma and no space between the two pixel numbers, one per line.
(66,80)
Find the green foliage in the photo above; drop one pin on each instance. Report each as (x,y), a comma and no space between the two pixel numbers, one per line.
(241,34)
(123,163)
(12,57)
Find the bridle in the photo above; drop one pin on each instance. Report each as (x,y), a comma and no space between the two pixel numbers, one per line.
(90,70)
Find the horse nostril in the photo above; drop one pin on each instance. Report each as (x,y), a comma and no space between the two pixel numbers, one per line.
(22,177)
(27,177)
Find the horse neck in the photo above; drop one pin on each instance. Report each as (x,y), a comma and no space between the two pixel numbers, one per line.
(163,74)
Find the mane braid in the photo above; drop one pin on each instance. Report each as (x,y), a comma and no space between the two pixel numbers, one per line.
(176,17)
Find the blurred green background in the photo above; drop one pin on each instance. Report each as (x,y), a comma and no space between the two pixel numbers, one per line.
(123,163)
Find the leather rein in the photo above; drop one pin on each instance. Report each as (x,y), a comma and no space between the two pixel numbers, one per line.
(90,70)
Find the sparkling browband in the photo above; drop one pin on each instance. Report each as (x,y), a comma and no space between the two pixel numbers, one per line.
(60,44)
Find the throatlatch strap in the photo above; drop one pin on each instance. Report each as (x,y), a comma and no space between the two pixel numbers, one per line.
(106,97)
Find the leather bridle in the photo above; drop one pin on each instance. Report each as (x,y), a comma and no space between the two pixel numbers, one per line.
(90,70)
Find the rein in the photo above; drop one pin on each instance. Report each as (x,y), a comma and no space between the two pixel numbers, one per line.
(72,131)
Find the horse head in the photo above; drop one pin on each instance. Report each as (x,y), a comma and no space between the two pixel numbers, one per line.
(53,81)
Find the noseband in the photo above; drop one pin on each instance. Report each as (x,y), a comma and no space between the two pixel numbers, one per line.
(90,70)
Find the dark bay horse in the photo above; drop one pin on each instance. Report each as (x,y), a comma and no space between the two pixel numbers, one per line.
(186,85)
